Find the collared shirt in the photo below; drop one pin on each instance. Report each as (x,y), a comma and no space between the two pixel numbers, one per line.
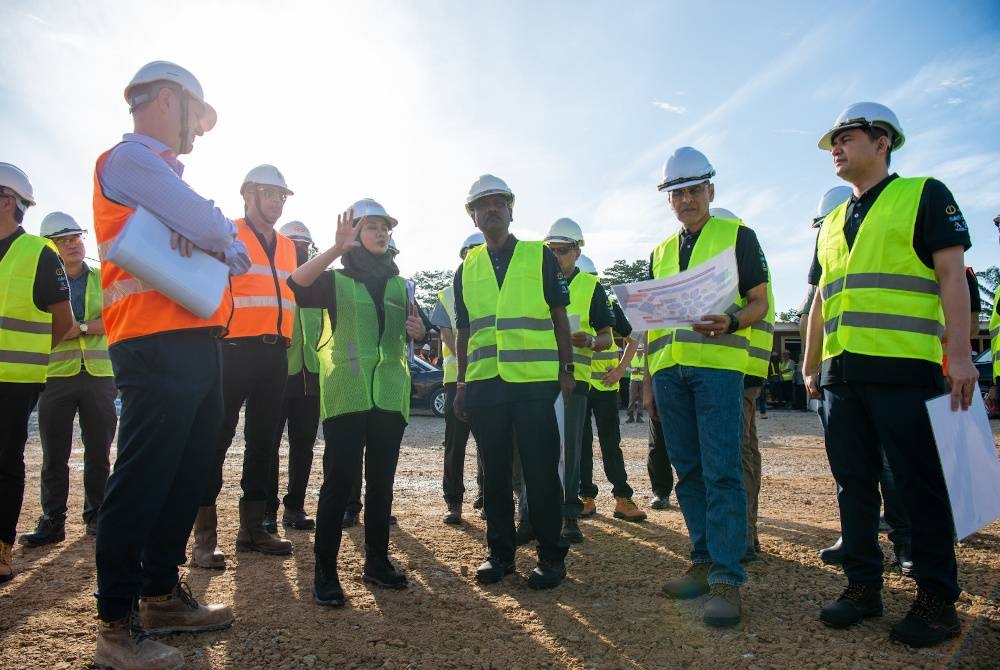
(51,286)
(135,176)
(78,293)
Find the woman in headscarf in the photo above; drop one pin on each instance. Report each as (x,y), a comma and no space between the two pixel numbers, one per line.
(364,385)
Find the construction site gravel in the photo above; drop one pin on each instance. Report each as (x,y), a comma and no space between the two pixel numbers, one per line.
(607,614)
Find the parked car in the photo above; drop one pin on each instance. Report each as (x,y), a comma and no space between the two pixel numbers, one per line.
(984,365)
(427,386)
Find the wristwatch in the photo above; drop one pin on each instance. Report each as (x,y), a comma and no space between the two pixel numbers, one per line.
(83,327)
(568,368)
(734,324)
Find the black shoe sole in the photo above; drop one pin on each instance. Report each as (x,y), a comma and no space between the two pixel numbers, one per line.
(493,577)
(331,602)
(635,519)
(543,583)
(925,642)
(452,520)
(840,625)
(31,544)
(375,581)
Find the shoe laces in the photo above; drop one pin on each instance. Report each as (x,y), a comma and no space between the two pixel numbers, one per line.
(627,502)
(926,607)
(855,592)
(183,591)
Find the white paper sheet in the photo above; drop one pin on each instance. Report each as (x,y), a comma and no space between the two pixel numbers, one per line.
(681,300)
(560,409)
(969,461)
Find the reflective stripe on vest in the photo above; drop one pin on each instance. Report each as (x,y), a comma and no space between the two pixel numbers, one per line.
(762,338)
(263,303)
(358,369)
(879,299)
(995,336)
(510,328)
(450,366)
(133,308)
(25,330)
(601,363)
(581,295)
(306,333)
(89,351)
(684,346)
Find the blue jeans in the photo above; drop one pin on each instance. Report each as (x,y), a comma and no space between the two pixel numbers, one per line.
(701,410)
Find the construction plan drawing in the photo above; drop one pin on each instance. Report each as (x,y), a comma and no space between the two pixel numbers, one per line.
(682,299)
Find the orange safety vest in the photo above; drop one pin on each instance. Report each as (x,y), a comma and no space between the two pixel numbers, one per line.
(262,302)
(133,308)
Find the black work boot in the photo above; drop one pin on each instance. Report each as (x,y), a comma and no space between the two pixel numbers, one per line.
(49,530)
(547,574)
(381,573)
(326,585)
(351,519)
(931,620)
(494,570)
(270,522)
(857,603)
(453,516)
(571,531)
(834,554)
(297,519)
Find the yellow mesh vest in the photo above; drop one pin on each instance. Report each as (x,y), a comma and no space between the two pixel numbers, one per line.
(89,350)
(450,362)
(25,330)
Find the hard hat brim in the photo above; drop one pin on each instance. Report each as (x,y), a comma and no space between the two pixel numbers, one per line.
(826,142)
(563,239)
(665,187)
(65,232)
(208,120)
(392,223)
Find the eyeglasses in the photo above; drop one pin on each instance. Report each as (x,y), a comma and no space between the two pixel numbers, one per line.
(67,239)
(687,192)
(269,192)
(562,251)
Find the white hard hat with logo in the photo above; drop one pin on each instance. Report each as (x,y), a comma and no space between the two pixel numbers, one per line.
(565,230)
(59,224)
(473,240)
(368,207)
(486,185)
(265,175)
(723,213)
(296,231)
(863,115)
(830,200)
(685,167)
(586,265)
(142,88)
(14,182)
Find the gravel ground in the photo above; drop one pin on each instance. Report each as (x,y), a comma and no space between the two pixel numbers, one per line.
(606,615)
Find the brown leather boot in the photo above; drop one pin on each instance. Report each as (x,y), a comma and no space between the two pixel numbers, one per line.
(179,612)
(253,537)
(205,552)
(122,646)
(625,508)
(6,562)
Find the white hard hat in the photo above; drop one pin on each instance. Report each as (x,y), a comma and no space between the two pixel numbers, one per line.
(393,249)
(12,178)
(266,175)
(862,115)
(426,347)
(138,90)
(368,207)
(473,240)
(586,265)
(722,213)
(59,224)
(486,185)
(685,167)
(296,231)
(829,202)
(565,230)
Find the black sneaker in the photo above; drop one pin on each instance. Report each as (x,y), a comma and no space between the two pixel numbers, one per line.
(297,519)
(326,587)
(494,570)
(547,574)
(47,531)
(931,620)
(857,603)
(384,576)
(834,554)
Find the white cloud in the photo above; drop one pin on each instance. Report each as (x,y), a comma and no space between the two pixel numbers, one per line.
(667,107)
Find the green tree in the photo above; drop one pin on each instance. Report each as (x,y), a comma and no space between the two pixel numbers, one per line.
(623,272)
(988,281)
(430,283)
(790,315)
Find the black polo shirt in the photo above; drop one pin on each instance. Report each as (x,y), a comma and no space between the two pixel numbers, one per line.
(496,391)
(939,225)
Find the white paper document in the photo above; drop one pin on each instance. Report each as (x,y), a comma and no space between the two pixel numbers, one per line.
(681,300)
(969,461)
(560,410)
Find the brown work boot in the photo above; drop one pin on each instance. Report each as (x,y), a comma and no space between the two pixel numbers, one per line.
(589,506)
(724,607)
(121,646)
(625,508)
(6,562)
(179,612)
(253,536)
(205,552)
(694,583)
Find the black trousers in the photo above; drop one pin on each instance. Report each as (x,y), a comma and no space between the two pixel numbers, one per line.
(860,418)
(16,403)
(661,477)
(171,386)
(604,407)
(255,373)
(377,434)
(456,437)
(533,423)
(301,413)
(58,405)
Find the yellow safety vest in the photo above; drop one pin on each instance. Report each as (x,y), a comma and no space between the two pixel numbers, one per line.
(25,330)
(358,369)
(684,346)
(995,336)
(602,362)
(581,295)
(879,299)
(88,351)
(638,365)
(450,363)
(762,338)
(305,336)
(510,328)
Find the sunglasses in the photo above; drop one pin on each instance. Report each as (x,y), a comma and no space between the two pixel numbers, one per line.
(562,251)
(270,192)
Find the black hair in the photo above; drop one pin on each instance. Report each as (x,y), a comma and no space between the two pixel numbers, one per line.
(875,132)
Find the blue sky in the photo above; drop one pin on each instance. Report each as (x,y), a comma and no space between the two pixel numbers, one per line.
(576,105)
